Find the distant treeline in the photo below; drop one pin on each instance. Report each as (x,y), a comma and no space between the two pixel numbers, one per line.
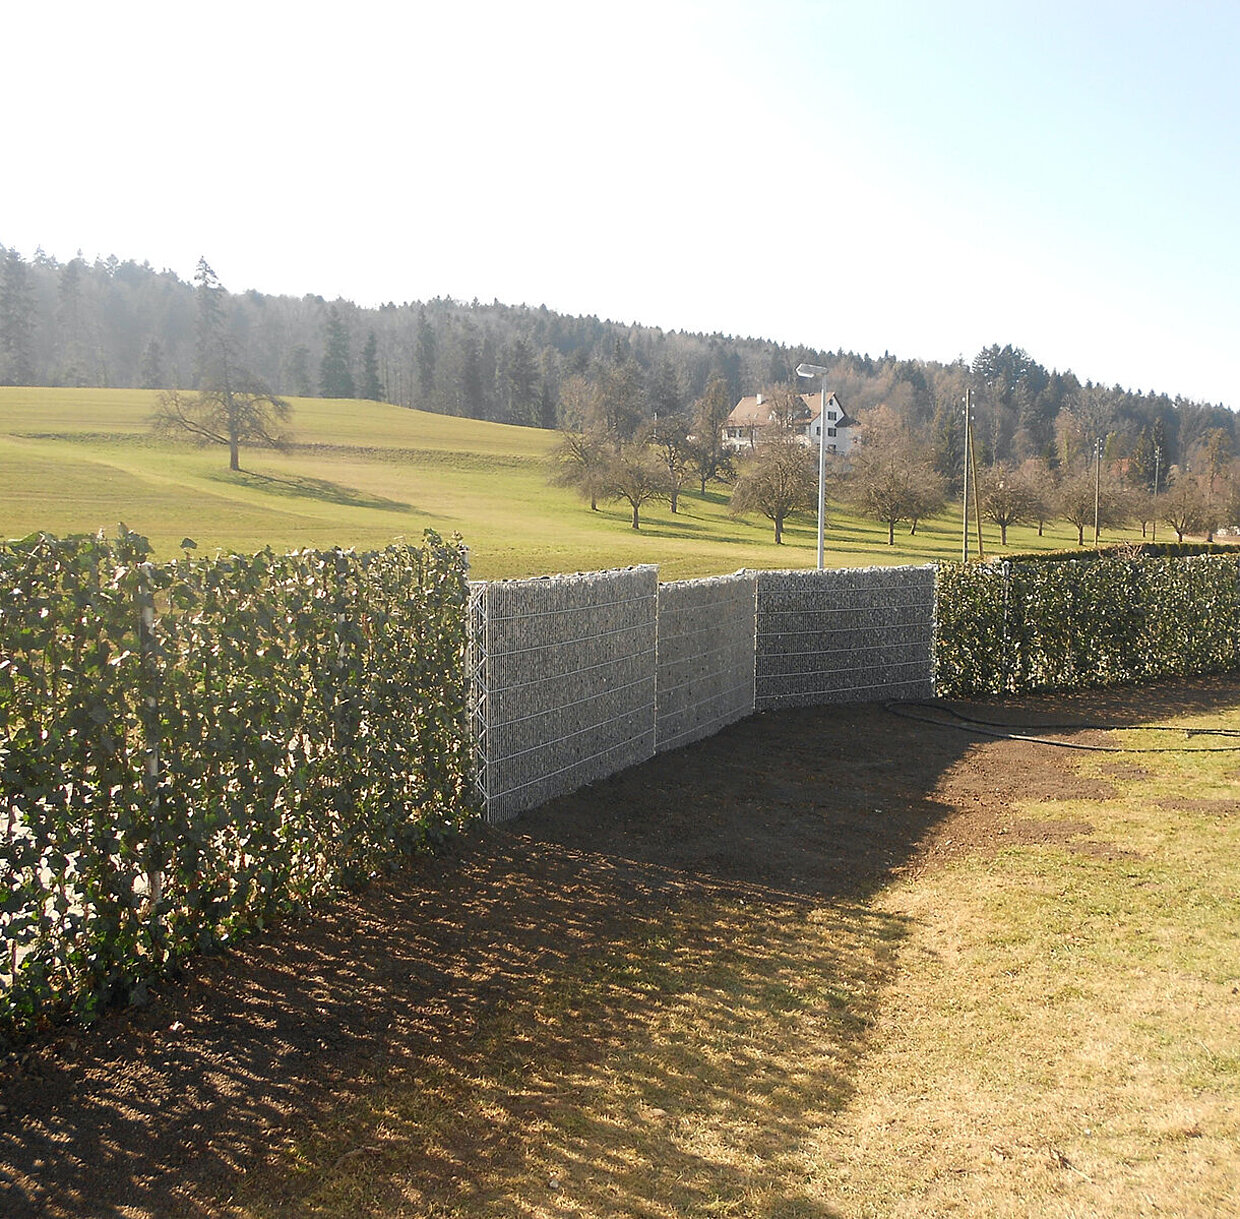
(125,324)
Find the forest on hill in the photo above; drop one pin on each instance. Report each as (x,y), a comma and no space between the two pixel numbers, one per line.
(124,324)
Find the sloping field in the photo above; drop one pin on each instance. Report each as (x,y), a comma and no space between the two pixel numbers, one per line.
(905,972)
(363,473)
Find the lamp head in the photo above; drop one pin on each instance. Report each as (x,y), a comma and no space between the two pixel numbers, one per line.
(811,370)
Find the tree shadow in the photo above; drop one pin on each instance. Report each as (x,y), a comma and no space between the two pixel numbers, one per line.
(302,486)
(679,525)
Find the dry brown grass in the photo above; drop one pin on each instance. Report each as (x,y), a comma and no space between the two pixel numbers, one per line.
(1062,1040)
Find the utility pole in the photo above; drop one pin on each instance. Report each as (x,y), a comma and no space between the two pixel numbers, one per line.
(977,501)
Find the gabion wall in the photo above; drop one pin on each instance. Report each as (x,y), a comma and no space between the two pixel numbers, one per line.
(564,683)
(706,657)
(852,635)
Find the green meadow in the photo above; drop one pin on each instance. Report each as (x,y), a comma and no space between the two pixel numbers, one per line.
(362,474)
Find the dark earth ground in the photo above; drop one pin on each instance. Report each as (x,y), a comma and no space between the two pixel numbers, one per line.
(160,1111)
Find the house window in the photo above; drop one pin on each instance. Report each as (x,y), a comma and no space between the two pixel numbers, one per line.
(832,414)
(831,431)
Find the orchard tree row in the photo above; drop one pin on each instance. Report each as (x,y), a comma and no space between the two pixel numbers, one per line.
(896,474)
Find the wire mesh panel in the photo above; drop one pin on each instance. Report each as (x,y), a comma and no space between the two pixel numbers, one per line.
(564,683)
(706,657)
(479,703)
(852,635)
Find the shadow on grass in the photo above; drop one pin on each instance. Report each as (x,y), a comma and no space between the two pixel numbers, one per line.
(639,999)
(302,486)
(681,525)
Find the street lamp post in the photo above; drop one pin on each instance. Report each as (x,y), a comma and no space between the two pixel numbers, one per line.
(817,370)
(1154,509)
(1097,486)
(968,454)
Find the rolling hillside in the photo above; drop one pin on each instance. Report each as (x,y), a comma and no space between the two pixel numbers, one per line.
(363,473)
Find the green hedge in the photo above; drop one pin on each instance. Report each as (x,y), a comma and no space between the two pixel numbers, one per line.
(189,748)
(1016,626)
(1126,550)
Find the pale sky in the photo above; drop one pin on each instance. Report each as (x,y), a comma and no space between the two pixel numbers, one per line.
(920,178)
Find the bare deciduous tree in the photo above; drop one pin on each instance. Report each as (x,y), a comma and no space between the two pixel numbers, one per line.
(710,413)
(889,480)
(1087,496)
(1006,499)
(226,414)
(670,439)
(778,480)
(1185,505)
(635,475)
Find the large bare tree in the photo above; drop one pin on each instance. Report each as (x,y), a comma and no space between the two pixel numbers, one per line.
(580,461)
(889,479)
(227,414)
(232,406)
(710,413)
(780,479)
(635,475)
(670,439)
(1006,498)
(1088,496)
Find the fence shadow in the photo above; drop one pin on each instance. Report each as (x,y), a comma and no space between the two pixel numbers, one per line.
(455,1022)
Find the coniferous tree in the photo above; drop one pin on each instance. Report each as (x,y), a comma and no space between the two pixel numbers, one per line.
(665,394)
(521,384)
(548,377)
(73,360)
(335,369)
(297,371)
(17,320)
(425,354)
(372,386)
(154,375)
(210,326)
(469,390)
(232,406)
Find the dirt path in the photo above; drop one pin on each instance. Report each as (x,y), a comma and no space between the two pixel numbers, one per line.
(158,1111)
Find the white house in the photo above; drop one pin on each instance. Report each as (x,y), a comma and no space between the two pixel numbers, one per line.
(743,427)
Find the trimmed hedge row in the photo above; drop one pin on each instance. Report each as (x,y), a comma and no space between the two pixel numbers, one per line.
(1015,626)
(1126,550)
(189,748)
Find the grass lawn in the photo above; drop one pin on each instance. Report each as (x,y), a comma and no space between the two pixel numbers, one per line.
(363,473)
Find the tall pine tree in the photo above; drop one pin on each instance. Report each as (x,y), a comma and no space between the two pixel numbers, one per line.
(372,386)
(335,370)
(210,332)
(16,322)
